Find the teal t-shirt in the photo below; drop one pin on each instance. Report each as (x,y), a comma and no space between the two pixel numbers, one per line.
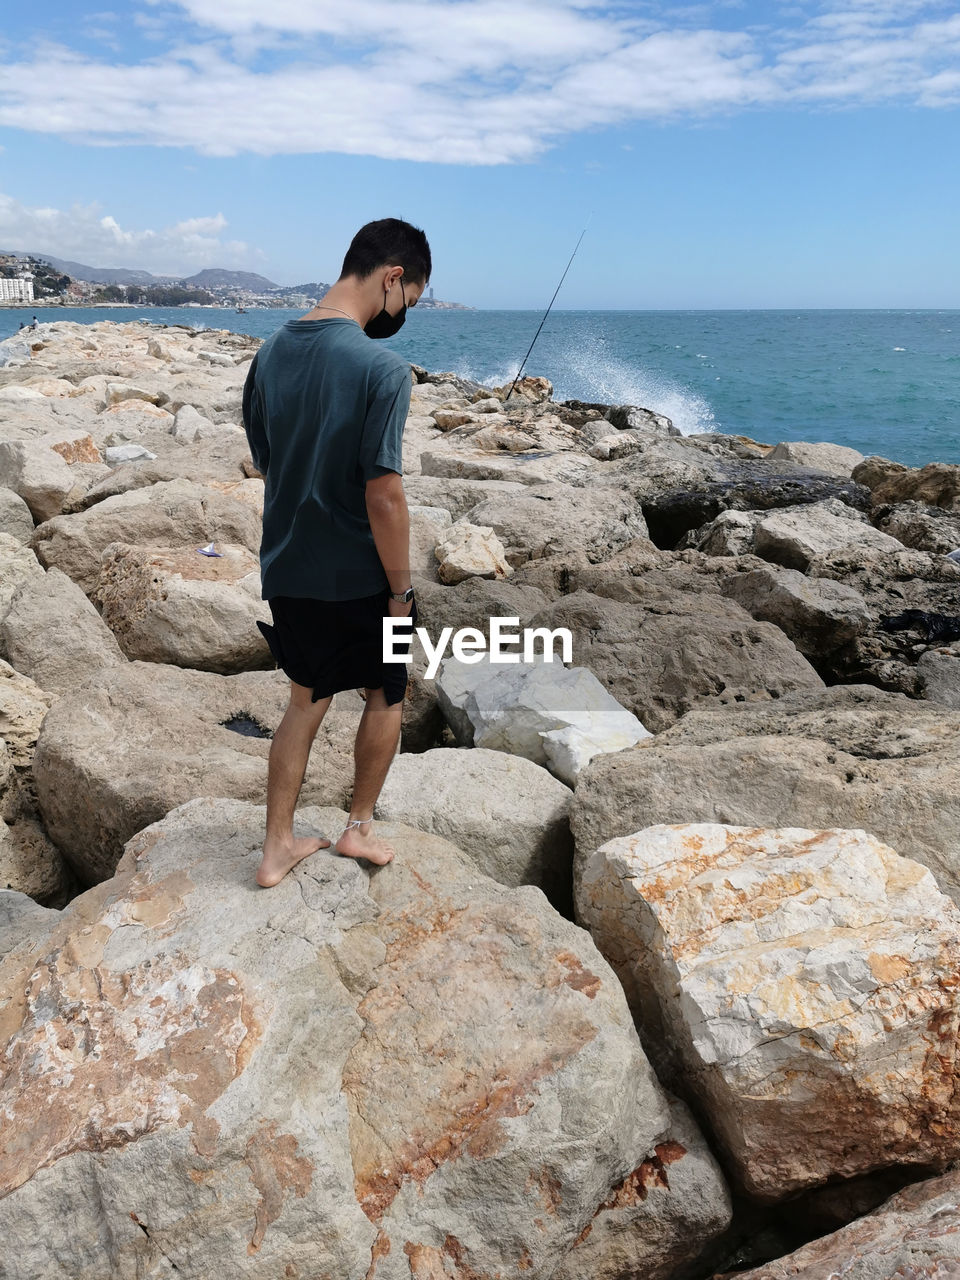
(324,408)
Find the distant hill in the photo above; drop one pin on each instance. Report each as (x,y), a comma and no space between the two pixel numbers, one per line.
(98,275)
(315,289)
(217,278)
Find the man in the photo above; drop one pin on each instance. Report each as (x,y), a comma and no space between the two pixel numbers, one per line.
(324,409)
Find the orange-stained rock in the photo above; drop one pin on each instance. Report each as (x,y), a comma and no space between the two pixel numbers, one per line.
(416,1071)
(803,985)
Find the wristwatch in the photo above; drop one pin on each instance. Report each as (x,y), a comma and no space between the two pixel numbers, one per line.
(402,597)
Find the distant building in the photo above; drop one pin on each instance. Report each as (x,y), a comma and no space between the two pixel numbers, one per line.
(431,293)
(20,289)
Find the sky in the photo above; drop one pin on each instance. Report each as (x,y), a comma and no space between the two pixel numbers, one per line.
(724,154)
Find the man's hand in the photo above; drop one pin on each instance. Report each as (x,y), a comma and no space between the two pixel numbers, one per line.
(397,610)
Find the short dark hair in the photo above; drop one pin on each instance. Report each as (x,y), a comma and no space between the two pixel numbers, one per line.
(390,242)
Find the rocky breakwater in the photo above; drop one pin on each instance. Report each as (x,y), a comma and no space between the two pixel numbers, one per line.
(663,981)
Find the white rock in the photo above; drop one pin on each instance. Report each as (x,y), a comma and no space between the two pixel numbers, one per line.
(217,357)
(793,536)
(556,716)
(804,985)
(127,453)
(470,550)
(836,459)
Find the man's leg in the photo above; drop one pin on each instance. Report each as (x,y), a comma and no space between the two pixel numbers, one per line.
(374,749)
(287,767)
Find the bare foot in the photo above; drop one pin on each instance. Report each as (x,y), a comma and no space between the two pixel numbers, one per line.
(278,857)
(354,843)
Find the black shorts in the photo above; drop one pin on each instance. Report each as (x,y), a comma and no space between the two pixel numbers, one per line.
(332,645)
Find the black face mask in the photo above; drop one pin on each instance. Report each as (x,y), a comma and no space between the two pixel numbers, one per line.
(385,325)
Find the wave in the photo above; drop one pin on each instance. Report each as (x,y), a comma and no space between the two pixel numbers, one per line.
(584,370)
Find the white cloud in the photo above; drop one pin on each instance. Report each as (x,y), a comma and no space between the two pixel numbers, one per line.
(84,233)
(468,81)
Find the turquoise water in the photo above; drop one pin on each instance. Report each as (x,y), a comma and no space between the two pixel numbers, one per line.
(884,382)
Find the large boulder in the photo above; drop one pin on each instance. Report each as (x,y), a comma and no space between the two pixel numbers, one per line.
(16,519)
(847,756)
(533,467)
(915,1235)
(505,812)
(795,536)
(175,605)
(144,737)
(553,519)
(40,471)
(938,484)
(322,1079)
(21,919)
(455,495)
(173,513)
(219,459)
(803,985)
(660,660)
(18,566)
(920,526)
(557,716)
(53,634)
(836,459)
(818,615)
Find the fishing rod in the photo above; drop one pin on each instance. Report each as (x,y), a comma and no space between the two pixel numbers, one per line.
(547,312)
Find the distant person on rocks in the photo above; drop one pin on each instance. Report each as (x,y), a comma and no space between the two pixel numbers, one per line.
(34,325)
(324,409)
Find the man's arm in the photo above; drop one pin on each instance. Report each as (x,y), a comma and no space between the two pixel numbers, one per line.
(253,423)
(390,524)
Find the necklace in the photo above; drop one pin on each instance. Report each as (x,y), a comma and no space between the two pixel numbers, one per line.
(322,307)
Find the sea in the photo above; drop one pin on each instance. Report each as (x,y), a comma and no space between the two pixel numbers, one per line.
(882,382)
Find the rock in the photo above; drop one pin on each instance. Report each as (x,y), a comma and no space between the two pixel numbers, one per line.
(23,704)
(16,519)
(188,423)
(38,472)
(654,1224)
(793,537)
(486,404)
(455,496)
(554,715)
(117,392)
(506,813)
(803,983)
(817,615)
(630,417)
(174,513)
(938,674)
(217,357)
(681,489)
(21,919)
(127,453)
(18,565)
(535,467)
(217,462)
(920,526)
(730,534)
(30,863)
(661,658)
(916,1234)
(427,526)
(848,756)
(147,736)
(874,471)
(835,459)
(469,550)
(329,1072)
(177,606)
(908,589)
(938,483)
(551,519)
(53,634)
(447,419)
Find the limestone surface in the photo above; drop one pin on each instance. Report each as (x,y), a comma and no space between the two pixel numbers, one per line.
(145,737)
(413,1073)
(175,605)
(805,985)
